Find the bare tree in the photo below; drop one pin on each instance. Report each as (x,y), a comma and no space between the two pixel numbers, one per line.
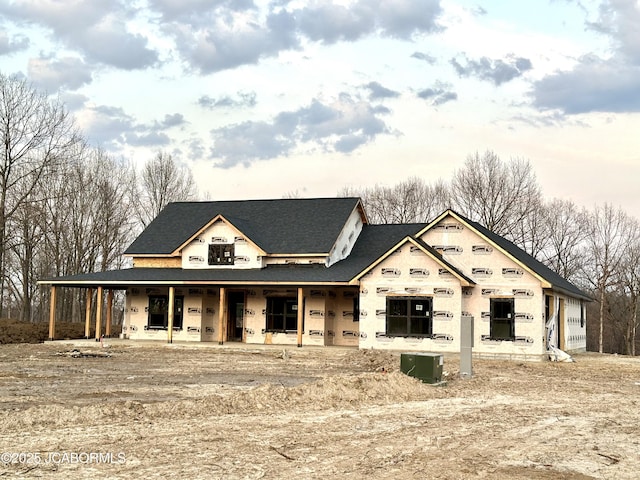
(163,180)
(497,194)
(88,221)
(113,213)
(565,226)
(630,286)
(607,236)
(36,135)
(410,201)
(532,233)
(24,250)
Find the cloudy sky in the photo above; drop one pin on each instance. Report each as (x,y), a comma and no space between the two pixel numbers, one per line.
(267,98)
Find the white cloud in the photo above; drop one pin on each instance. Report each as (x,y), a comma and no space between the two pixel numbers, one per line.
(439,94)
(620,19)
(377,91)
(242,99)
(13,44)
(95,28)
(51,75)
(342,125)
(595,85)
(497,71)
(331,22)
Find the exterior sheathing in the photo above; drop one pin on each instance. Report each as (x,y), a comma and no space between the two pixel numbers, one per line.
(329,317)
(573,332)
(195,254)
(496,276)
(576,321)
(199,317)
(410,272)
(347,238)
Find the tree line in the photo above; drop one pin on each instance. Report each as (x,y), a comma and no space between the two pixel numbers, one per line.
(67,208)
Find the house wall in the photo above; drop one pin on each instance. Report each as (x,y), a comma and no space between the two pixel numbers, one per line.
(573,331)
(410,272)
(328,317)
(137,307)
(195,255)
(346,239)
(529,318)
(298,260)
(496,276)
(157,262)
(346,326)
(210,310)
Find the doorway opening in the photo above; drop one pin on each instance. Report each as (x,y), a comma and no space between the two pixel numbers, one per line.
(235,323)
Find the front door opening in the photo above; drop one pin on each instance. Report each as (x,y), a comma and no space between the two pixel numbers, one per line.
(235,325)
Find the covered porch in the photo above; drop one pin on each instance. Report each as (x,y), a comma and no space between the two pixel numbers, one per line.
(256,313)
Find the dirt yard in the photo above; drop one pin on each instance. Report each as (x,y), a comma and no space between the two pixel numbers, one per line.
(242,412)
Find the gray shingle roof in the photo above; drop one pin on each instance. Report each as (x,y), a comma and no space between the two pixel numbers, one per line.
(285,226)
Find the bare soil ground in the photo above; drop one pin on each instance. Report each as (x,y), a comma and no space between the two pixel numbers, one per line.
(242,412)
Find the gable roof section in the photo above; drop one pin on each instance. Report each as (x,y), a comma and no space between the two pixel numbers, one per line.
(428,250)
(213,221)
(534,266)
(284,226)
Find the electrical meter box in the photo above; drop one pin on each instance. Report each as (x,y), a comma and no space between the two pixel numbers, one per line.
(424,366)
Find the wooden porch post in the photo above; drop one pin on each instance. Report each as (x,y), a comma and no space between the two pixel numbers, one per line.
(222,315)
(107,326)
(300,315)
(99,303)
(87,313)
(172,293)
(52,313)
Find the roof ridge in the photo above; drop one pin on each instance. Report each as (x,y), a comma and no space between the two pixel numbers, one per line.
(261,200)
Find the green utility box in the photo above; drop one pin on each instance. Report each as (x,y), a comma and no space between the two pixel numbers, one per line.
(424,366)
